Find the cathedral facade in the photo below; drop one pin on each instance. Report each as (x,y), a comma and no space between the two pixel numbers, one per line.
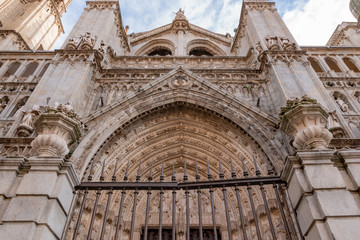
(177,132)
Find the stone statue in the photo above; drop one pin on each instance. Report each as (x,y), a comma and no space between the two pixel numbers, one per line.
(343,106)
(26,126)
(334,126)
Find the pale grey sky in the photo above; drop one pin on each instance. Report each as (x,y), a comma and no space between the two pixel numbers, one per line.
(311,21)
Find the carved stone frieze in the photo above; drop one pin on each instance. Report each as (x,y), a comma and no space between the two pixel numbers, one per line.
(260,6)
(74,56)
(17,87)
(340,82)
(306,122)
(83,42)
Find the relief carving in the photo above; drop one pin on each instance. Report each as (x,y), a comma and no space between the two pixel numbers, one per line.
(83,42)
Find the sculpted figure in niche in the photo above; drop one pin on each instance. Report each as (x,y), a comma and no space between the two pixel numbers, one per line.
(29,116)
(3,103)
(343,106)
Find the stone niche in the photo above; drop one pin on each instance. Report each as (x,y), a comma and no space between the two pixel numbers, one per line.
(306,122)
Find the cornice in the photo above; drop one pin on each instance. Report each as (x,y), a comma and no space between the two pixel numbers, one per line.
(16,140)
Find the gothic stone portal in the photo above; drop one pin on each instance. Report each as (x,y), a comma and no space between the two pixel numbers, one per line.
(173,135)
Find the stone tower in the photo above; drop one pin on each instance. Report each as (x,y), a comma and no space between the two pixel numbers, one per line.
(29,24)
(177,131)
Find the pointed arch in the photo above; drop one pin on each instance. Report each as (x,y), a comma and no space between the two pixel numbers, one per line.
(13,67)
(332,64)
(166,90)
(315,65)
(43,70)
(206,46)
(157,44)
(29,69)
(351,65)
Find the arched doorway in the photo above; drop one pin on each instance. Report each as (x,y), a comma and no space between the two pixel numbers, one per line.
(171,157)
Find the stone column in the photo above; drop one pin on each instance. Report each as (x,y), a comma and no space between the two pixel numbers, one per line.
(319,191)
(39,200)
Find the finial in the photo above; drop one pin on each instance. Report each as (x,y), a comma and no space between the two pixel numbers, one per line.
(221,175)
(208,169)
(173,178)
(115,168)
(233,174)
(245,172)
(185,174)
(139,171)
(150,174)
(126,172)
(162,171)
(197,171)
(102,171)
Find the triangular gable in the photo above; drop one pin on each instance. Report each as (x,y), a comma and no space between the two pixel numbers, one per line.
(183,82)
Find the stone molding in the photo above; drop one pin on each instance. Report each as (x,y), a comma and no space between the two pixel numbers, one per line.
(306,122)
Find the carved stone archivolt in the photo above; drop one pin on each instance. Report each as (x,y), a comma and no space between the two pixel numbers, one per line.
(176,133)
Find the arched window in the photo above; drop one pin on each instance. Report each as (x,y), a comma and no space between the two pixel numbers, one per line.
(18,105)
(351,65)
(160,52)
(315,65)
(200,52)
(43,70)
(12,69)
(332,65)
(30,69)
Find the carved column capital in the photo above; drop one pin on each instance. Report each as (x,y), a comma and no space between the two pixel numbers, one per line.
(306,122)
(56,129)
